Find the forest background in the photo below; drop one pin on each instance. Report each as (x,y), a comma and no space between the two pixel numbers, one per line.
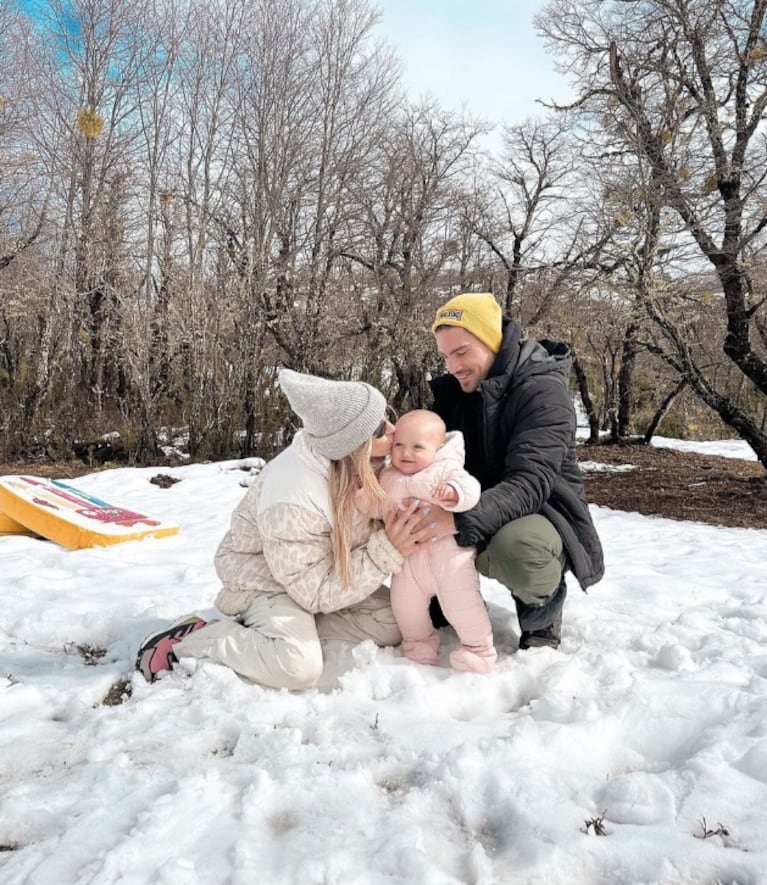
(194,193)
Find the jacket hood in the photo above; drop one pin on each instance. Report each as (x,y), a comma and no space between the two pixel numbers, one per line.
(518,359)
(453,449)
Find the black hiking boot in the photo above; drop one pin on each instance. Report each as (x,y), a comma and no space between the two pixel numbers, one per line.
(541,625)
(549,636)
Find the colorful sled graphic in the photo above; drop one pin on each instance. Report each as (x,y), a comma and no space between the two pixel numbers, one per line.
(71,517)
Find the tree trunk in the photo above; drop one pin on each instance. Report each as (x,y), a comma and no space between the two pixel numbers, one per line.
(625,390)
(588,403)
(663,410)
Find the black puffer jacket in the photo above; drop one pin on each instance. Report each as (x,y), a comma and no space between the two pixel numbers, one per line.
(519,428)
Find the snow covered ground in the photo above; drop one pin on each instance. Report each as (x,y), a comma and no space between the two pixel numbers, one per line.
(725,448)
(637,753)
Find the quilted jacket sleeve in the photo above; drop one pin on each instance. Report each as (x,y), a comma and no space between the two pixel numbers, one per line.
(297,548)
(544,427)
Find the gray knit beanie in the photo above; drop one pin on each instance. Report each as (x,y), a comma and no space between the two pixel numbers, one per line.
(338,416)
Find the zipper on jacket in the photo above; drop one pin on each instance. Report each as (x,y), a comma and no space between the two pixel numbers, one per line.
(483,429)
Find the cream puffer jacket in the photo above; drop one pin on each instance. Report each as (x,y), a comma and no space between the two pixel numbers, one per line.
(280,541)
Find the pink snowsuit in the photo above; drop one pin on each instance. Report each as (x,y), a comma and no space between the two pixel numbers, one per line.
(441,568)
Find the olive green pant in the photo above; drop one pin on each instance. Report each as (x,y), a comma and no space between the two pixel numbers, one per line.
(526,556)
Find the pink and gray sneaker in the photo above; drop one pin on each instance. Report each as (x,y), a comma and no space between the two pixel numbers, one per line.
(155,653)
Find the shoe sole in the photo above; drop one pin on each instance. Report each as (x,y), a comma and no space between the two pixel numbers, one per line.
(175,631)
(538,643)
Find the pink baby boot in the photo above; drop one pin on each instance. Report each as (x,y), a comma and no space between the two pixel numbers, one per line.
(473,658)
(422,651)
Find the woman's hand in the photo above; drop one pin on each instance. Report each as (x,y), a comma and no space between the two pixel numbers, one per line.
(439,523)
(406,529)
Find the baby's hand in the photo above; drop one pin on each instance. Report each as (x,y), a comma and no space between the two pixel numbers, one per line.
(445,494)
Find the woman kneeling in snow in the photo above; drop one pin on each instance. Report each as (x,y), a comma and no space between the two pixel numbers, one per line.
(300,563)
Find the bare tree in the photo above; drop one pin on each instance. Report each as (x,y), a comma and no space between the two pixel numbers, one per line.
(310,121)
(23,195)
(523,204)
(192,298)
(26,345)
(686,84)
(88,141)
(406,239)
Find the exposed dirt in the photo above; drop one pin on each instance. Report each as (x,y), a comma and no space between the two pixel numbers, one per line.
(663,482)
(678,485)
(46,469)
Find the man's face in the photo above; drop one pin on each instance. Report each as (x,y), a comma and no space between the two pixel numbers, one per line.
(466,357)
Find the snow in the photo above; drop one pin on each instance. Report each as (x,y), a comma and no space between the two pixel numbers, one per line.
(724,448)
(648,725)
(597,467)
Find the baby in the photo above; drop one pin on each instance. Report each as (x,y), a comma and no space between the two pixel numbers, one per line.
(427,463)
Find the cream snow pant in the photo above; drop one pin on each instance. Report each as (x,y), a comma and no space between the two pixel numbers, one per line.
(276,643)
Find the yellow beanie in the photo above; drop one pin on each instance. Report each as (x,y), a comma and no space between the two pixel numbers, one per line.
(477,312)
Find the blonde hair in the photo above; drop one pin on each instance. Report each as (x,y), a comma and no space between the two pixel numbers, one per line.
(353,475)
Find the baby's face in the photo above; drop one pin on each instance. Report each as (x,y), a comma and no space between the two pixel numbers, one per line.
(415,445)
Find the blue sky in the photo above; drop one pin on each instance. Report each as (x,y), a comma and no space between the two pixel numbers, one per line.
(481,53)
